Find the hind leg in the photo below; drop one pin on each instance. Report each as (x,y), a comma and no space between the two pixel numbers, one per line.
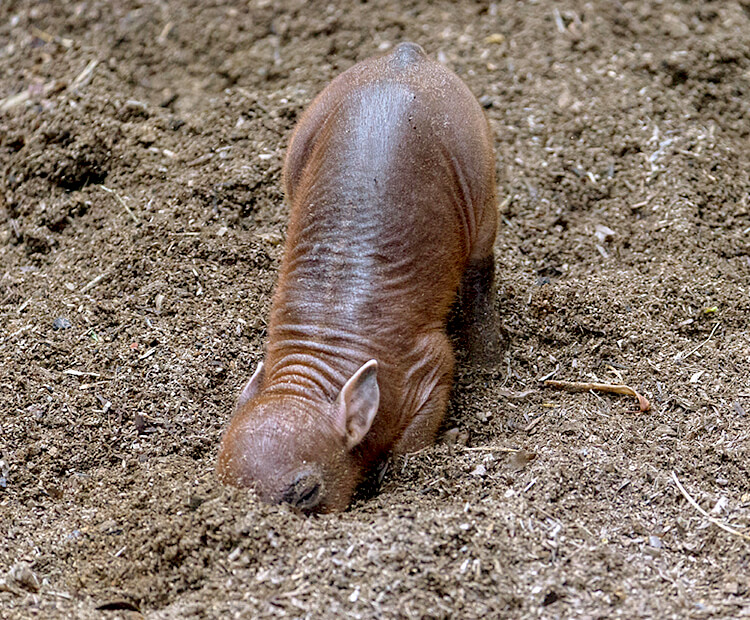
(478,324)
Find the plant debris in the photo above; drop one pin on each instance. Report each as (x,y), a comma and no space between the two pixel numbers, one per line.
(578,386)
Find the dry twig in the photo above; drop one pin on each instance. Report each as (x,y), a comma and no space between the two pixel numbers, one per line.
(121,201)
(682,356)
(576,386)
(93,283)
(695,505)
(84,77)
(514,395)
(491,449)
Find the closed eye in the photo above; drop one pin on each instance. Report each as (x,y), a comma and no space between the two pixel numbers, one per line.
(304,492)
(310,494)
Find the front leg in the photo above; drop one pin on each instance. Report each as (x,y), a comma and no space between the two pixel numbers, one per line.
(429,382)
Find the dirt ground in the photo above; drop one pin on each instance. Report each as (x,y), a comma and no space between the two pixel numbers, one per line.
(141,213)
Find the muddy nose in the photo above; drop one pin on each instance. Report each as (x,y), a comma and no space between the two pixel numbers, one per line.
(305,492)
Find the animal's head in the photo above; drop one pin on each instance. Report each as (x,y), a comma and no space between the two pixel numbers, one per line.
(299,451)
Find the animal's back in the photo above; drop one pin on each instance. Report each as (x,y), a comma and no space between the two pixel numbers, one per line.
(389,176)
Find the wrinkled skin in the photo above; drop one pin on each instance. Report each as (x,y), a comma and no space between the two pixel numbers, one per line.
(303,444)
(286,440)
(390,174)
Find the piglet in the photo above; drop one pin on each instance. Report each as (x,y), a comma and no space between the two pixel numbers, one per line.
(390,175)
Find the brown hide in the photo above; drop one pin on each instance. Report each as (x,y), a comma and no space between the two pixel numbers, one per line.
(390,175)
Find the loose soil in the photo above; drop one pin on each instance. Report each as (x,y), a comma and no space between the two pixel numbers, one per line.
(141,216)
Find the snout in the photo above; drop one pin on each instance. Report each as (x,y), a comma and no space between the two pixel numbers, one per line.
(305,492)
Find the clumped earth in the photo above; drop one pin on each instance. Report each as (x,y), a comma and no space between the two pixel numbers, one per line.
(141,216)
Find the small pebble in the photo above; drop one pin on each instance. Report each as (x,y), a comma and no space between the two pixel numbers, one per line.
(450,436)
(146,136)
(61,323)
(732,586)
(496,38)
(22,575)
(603,233)
(486,101)
(480,470)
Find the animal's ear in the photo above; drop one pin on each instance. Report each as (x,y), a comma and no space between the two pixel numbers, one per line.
(357,403)
(251,388)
